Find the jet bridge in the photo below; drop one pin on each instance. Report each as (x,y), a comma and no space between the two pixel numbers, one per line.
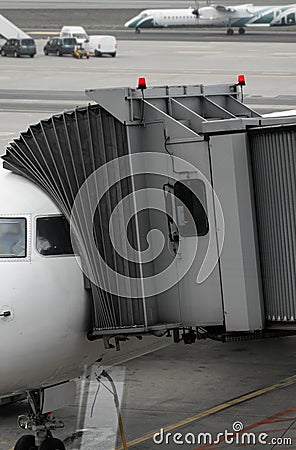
(181,201)
(8,30)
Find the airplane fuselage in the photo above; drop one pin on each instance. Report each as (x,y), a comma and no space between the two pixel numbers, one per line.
(43,336)
(216,16)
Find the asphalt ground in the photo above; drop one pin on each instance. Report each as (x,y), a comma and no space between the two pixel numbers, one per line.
(95,4)
(165,389)
(88,18)
(182,34)
(36,88)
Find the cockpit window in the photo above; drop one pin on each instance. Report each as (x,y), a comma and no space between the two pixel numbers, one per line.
(53,236)
(13,238)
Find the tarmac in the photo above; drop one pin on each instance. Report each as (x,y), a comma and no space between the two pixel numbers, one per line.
(197,391)
(168,392)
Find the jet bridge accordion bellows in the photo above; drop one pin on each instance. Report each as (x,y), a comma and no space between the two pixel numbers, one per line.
(58,155)
(273,156)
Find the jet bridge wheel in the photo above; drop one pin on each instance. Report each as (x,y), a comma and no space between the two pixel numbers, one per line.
(229,31)
(26,442)
(241,31)
(52,444)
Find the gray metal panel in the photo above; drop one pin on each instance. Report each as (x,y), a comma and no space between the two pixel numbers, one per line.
(113,101)
(220,89)
(182,113)
(175,129)
(240,276)
(228,126)
(273,153)
(187,302)
(234,106)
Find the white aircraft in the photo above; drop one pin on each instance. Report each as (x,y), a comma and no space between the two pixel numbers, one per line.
(239,16)
(44,308)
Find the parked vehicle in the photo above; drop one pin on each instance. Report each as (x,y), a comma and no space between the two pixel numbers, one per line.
(60,47)
(19,47)
(78,33)
(96,45)
(101,45)
(79,51)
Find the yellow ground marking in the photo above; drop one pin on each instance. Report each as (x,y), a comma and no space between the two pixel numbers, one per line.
(48,33)
(215,409)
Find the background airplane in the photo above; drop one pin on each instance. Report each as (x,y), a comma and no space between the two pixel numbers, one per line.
(239,16)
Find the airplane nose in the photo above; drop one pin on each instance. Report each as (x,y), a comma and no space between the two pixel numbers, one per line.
(128,23)
(133,22)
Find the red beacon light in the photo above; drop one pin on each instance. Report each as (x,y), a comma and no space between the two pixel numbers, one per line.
(241,80)
(142,83)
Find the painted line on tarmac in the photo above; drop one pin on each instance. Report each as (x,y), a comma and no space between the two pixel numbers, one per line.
(134,354)
(236,401)
(49,33)
(275,418)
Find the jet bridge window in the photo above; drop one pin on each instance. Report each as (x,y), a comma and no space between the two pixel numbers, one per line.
(190,201)
(13,238)
(53,236)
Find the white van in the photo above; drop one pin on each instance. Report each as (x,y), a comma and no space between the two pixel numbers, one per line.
(101,45)
(74,32)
